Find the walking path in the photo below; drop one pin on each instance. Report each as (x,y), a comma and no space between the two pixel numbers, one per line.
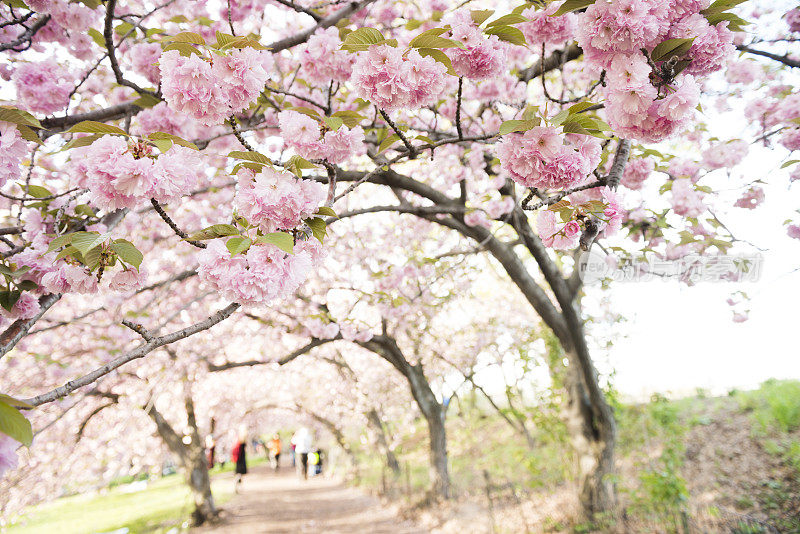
(278,503)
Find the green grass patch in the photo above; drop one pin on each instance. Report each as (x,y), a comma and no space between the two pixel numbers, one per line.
(164,504)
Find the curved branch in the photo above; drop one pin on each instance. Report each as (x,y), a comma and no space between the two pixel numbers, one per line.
(302,37)
(139,352)
(785,59)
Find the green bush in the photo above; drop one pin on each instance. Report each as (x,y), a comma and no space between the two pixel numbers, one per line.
(775,405)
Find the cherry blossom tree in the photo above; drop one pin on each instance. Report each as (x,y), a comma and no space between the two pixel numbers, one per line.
(165,164)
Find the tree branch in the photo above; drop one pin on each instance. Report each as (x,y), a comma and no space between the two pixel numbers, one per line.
(139,352)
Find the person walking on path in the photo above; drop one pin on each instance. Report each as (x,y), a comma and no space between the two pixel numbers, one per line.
(274,446)
(303,441)
(239,457)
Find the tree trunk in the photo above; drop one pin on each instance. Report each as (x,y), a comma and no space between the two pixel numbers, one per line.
(198,479)
(592,432)
(434,414)
(192,460)
(439,474)
(379,433)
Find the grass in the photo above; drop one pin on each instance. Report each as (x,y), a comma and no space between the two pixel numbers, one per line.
(164,504)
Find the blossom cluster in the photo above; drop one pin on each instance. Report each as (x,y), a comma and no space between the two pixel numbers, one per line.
(725,155)
(392,81)
(265,273)
(641,103)
(636,172)
(323,61)
(542,28)
(213,90)
(12,150)
(482,56)
(542,158)
(43,87)
(276,200)
(565,235)
(686,200)
(123,174)
(305,135)
(144,59)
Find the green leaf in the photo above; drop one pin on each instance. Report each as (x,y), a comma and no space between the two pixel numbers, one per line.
(334,123)
(15,425)
(573,5)
(28,134)
(9,298)
(174,138)
(510,34)
(81,141)
(185,49)
(389,141)
(86,241)
(163,144)
(671,47)
(146,101)
(127,252)
(511,18)
(123,28)
(19,117)
(439,56)
(351,119)
(95,127)
(97,37)
(69,251)
(325,210)
(735,22)
(313,113)
(92,258)
(318,228)
(790,162)
(250,156)
(296,164)
(721,5)
(518,126)
(215,230)
(237,245)
(27,285)
(59,242)
(479,16)
(12,401)
(85,210)
(187,37)
(224,39)
(39,191)
(361,39)
(282,240)
(432,39)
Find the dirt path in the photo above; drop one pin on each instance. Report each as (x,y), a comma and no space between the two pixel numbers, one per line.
(282,503)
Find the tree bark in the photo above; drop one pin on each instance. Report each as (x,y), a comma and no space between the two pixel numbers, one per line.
(379,434)
(192,460)
(434,414)
(592,432)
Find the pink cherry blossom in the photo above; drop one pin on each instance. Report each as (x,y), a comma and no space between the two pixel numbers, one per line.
(277,200)
(8,453)
(12,150)
(43,87)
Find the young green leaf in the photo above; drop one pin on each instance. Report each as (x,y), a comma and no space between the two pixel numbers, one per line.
(14,425)
(95,127)
(127,252)
(86,241)
(237,245)
(282,240)
(318,228)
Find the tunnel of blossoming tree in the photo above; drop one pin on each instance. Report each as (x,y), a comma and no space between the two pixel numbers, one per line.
(399,266)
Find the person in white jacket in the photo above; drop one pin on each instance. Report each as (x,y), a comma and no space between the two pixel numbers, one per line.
(303,442)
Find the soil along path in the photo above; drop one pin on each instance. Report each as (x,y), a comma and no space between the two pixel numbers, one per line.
(281,503)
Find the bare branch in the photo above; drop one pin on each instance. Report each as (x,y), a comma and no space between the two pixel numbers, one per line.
(139,352)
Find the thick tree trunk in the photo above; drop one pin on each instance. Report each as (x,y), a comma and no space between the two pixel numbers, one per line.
(592,431)
(379,437)
(198,479)
(439,474)
(192,460)
(434,415)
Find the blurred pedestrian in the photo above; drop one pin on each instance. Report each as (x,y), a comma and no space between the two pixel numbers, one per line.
(239,457)
(274,446)
(303,441)
(211,448)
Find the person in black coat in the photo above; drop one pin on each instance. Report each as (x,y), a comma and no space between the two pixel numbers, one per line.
(239,457)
